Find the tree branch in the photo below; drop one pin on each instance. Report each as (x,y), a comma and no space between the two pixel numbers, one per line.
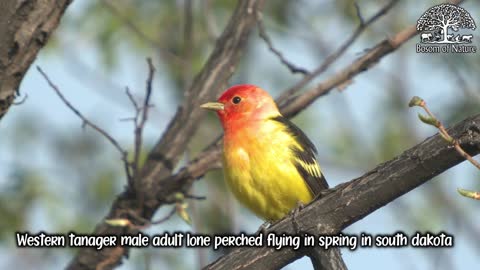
(167,152)
(25,27)
(206,86)
(354,200)
(330,259)
(141,117)
(87,122)
(157,181)
(344,76)
(209,158)
(337,53)
(263,34)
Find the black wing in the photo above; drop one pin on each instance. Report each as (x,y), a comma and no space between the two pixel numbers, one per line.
(305,160)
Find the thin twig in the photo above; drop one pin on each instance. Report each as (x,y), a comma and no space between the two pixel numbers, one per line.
(263,34)
(336,54)
(86,122)
(358,198)
(433,121)
(447,136)
(195,197)
(132,99)
(140,119)
(359,13)
(16,103)
(209,158)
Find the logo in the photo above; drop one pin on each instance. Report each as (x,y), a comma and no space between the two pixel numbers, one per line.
(444,29)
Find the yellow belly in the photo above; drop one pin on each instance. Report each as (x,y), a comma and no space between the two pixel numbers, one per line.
(265,180)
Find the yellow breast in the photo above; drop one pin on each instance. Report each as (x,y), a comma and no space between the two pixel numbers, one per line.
(259,170)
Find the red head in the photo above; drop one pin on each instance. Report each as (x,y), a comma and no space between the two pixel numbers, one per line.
(243,105)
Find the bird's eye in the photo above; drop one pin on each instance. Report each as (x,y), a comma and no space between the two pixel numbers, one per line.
(236,100)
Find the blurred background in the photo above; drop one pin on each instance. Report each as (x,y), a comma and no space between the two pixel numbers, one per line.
(57,177)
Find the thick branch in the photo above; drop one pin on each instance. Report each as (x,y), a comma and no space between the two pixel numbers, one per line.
(206,86)
(25,27)
(344,76)
(165,155)
(158,183)
(352,201)
(198,167)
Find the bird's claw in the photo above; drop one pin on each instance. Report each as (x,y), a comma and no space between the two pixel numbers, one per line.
(295,212)
(263,228)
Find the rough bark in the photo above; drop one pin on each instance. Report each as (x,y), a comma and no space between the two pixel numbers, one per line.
(354,200)
(25,26)
(167,152)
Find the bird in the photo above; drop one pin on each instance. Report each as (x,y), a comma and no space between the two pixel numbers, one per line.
(269,163)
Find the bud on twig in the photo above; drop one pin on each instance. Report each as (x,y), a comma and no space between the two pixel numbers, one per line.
(415,101)
(469,194)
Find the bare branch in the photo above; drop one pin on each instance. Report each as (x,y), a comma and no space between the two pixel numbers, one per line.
(296,104)
(209,158)
(80,115)
(167,152)
(158,182)
(132,100)
(86,122)
(335,55)
(140,123)
(433,120)
(263,34)
(206,85)
(354,200)
(359,13)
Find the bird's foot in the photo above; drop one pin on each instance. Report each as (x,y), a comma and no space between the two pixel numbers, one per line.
(263,228)
(295,212)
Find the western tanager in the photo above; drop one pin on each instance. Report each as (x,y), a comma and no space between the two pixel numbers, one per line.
(269,163)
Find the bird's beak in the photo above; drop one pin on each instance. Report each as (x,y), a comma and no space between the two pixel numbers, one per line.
(214,106)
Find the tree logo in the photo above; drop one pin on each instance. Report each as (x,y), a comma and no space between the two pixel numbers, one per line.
(439,27)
